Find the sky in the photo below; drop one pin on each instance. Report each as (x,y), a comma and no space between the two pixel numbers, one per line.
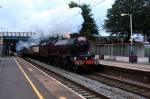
(48,17)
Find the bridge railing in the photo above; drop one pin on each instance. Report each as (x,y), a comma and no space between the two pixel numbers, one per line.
(17,34)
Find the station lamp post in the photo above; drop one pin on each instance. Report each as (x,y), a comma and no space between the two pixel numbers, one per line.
(131,38)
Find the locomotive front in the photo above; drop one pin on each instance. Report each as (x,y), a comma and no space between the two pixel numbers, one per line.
(83,55)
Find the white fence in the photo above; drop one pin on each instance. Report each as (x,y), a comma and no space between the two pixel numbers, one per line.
(122,52)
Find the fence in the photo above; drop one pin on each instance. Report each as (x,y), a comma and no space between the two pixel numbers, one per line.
(122,52)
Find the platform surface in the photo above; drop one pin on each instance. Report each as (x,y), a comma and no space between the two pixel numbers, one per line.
(14,84)
(133,66)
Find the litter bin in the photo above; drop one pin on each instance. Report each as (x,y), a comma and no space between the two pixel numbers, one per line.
(133,59)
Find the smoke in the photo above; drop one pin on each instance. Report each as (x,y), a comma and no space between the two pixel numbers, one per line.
(26,44)
(58,21)
(45,17)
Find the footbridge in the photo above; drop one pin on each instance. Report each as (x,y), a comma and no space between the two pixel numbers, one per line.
(8,41)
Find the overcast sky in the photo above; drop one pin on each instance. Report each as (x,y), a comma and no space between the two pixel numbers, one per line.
(47,15)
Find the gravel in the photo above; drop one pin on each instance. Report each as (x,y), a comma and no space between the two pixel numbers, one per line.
(109,91)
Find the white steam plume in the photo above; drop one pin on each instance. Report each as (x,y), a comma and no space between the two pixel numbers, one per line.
(60,20)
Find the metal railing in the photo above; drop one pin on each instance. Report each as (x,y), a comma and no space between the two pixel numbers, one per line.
(17,34)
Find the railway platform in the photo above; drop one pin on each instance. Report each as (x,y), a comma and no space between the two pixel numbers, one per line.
(20,80)
(125,65)
(131,72)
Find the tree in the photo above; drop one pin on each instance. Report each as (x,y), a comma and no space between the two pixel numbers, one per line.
(120,25)
(73,4)
(89,28)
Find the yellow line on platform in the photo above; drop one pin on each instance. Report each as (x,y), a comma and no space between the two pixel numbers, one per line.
(28,79)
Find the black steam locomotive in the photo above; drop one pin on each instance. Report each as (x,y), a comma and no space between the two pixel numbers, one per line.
(73,53)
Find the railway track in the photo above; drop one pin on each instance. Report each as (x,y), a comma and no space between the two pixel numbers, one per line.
(85,92)
(90,94)
(128,85)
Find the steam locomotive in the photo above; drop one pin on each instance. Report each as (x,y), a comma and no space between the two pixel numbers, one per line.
(73,53)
